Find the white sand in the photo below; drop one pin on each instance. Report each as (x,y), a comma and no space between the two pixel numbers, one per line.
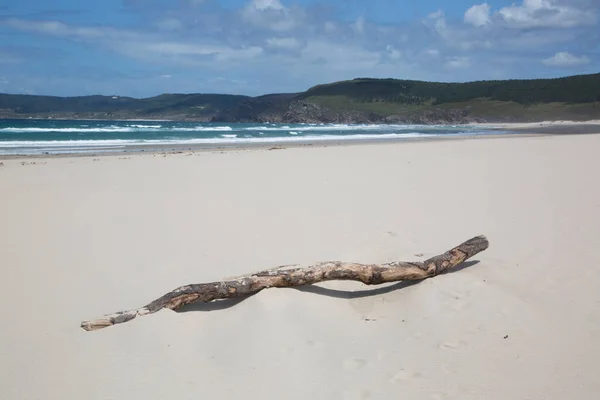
(81,238)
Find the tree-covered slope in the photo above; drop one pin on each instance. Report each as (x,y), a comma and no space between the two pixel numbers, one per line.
(359,100)
(574,89)
(165,106)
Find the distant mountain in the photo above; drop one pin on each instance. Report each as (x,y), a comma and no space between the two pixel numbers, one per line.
(165,106)
(362,100)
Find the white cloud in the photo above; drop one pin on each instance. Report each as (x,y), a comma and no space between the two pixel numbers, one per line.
(166,76)
(478,15)
(534,14)
(271,14)
(437,14)
(136,44)
(217,52)
(287,43)
(265,4)
(266,41)
(545,14)
(334,56)
(359,25)
(457,36)
(393,52)
(49,27)
(565,59)
(57,28)
(438,19)
(458,62)
(221,79)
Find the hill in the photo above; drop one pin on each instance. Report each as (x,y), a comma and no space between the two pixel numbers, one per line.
(165,106)
(361,100)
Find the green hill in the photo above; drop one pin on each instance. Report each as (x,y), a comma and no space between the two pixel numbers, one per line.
(179,106)
(574,89)
(358,100)
(576,97)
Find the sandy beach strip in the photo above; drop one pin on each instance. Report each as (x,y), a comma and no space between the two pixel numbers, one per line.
(85,236)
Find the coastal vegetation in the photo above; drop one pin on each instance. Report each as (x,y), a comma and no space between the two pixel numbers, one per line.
(357,100)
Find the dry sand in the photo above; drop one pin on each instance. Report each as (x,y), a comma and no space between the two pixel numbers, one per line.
(81,238)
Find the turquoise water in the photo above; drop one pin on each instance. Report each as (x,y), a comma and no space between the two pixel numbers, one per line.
(59,136)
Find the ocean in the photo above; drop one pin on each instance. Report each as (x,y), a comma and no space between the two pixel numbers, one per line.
(31,137)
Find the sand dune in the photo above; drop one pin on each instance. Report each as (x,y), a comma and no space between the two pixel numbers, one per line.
(81,238)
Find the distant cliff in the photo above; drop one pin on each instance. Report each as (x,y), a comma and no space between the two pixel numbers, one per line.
(362,100)
(304,111)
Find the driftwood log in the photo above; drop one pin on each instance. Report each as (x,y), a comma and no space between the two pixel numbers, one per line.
(289,276)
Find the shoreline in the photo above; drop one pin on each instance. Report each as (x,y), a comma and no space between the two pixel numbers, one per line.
(498,124)
(142,150)
(512,130)
(546,127)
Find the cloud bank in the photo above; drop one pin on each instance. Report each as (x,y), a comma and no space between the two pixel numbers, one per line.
(275,45)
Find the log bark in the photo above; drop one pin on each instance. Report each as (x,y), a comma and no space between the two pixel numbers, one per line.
(289,276)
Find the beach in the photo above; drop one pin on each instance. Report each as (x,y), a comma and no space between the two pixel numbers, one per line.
(86,236)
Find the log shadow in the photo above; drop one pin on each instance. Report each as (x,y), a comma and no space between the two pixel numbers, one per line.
(215,305)
(218,305)
(465,265)
(355,294)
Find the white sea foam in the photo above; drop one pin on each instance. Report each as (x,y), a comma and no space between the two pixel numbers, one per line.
(204,129)
(147,126)
(226,128)
(66,143)
(229,138)
(66,130)
(114,128)
(225,138)
(347,127)
(283,134)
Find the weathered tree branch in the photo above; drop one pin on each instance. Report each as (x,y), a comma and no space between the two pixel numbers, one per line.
(289,276)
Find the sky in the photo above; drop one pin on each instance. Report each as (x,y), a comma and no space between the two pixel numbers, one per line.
(143,48)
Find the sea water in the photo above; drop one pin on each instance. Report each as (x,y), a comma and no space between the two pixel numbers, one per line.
(63,136)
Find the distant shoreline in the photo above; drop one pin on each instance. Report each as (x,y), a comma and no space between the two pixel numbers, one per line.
(491,125)
(93,119)
(547,127)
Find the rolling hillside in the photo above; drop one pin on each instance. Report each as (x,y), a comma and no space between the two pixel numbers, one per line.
(360,100)
(167,106)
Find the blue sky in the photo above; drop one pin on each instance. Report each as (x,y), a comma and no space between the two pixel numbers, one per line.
(143,48)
